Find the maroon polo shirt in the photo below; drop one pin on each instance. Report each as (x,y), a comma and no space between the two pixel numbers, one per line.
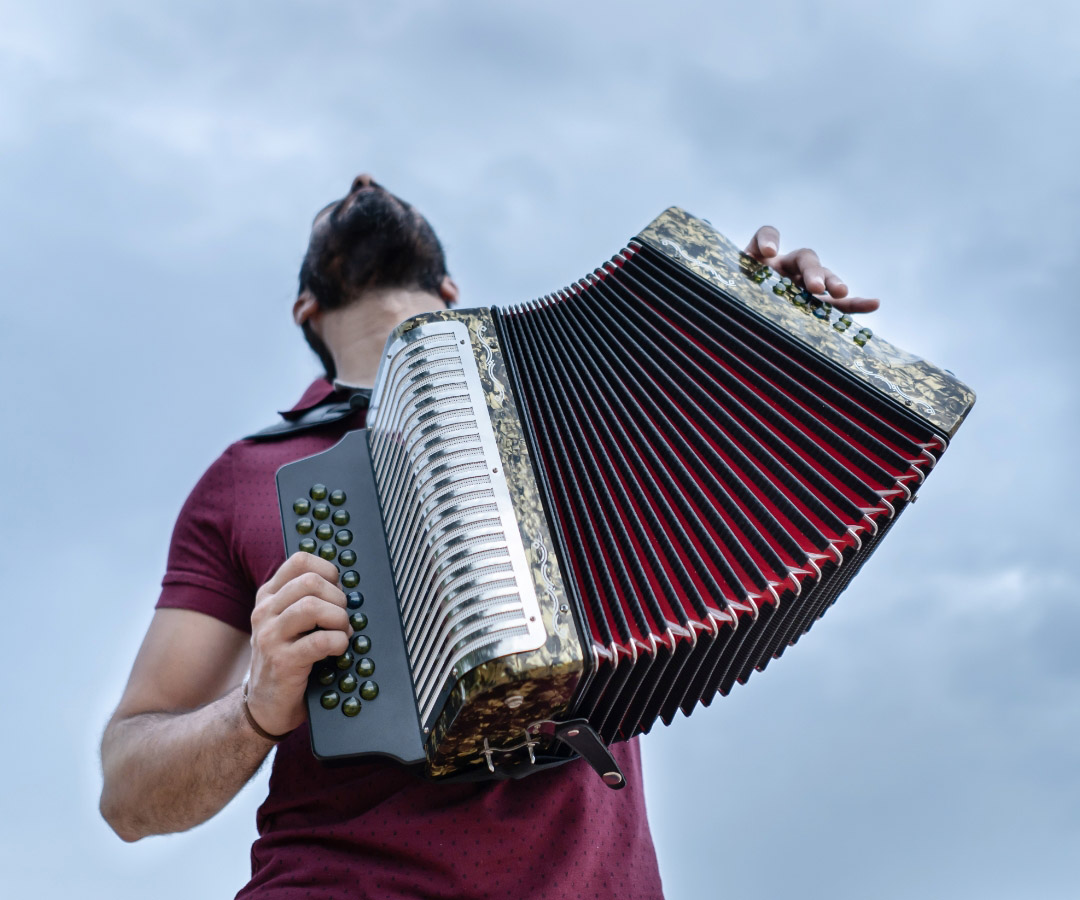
(372,828)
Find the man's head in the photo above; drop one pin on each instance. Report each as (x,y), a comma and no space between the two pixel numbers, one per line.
(366,243)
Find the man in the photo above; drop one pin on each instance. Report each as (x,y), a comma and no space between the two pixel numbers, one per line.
(221,674)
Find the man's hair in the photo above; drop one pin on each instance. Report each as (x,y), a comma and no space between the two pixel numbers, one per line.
(368,241)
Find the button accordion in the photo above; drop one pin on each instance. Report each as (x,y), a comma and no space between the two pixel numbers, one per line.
(571,518)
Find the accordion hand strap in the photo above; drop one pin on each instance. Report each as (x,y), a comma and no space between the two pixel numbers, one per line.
(583,740)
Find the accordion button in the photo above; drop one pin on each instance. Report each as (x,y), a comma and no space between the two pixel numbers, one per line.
(344,661)
(302,506)
(369,690)
(328,551)
(347,557)
(351,706)
(318,492)
(308,545)
(366,667)
(343,537)
(337,498)
(354,599)
(361,643)
(358,622)
(305,525)
(329,700)
(350,579)
(324,532)
(321,511)
(340,517)
(326,675)
(347,683)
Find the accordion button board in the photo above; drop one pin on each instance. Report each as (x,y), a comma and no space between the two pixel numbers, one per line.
(350,713)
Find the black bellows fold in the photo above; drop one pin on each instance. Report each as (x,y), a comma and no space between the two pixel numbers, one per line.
(704,474)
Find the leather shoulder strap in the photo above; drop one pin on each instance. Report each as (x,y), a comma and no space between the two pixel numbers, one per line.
(333,410)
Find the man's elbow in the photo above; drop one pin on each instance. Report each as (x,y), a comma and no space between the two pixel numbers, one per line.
(119,818)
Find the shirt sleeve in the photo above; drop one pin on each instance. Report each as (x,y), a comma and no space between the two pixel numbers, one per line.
(204,573)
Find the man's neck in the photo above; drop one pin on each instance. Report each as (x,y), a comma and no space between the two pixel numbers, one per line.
(357,333)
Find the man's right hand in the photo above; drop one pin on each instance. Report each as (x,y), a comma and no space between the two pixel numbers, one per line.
(299,619)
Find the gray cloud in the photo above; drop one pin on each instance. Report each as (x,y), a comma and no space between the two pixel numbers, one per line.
(161,164)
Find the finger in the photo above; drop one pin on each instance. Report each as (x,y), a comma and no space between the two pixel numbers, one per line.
(309,613)
(303,585)
(296,565)
(813,279)
(834,284)
(801,263)
(856,304)
(765,243)
(309,649)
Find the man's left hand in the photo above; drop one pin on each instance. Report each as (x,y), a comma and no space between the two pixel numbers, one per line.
(805,269)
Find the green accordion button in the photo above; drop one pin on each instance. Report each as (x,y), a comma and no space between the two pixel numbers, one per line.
(354,599)
(344,661)
(324,532)
(348,683)
(321,511)
(329,700)
(308,545)
(369,690)
(365,668)
(304,525)
(328,551)
(361,643)
(350,579)
(343,537)
(318,492)
(351,707)
(347,557)
(301,506)
(337,498)
(340,517)
(358,621)
(326,675)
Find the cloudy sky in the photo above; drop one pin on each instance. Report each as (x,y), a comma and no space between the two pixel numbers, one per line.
(159,166)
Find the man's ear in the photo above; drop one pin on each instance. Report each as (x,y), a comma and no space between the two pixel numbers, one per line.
(448,290)
(306,308)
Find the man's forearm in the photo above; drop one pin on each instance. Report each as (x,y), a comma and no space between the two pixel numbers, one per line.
(168,772)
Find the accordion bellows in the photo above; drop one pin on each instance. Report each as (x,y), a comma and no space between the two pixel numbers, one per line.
(614,503)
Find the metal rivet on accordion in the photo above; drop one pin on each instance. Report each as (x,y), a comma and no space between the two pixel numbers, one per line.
(358,621)
(353,599)
(343,537)
(304,525)
(308,545)
(612,778)
(369,690)
(318,492)
(321,511)
(366,667)
(361,643)
(345,660)
(351,706)
(337,498)
(350,579)
(340,517)
(515,701)
(301,506)
(348,683)
(329,700)
(328,551)
(324,532)
(573,732)
(347,557)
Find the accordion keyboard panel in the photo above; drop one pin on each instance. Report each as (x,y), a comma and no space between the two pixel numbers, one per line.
(464,588)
